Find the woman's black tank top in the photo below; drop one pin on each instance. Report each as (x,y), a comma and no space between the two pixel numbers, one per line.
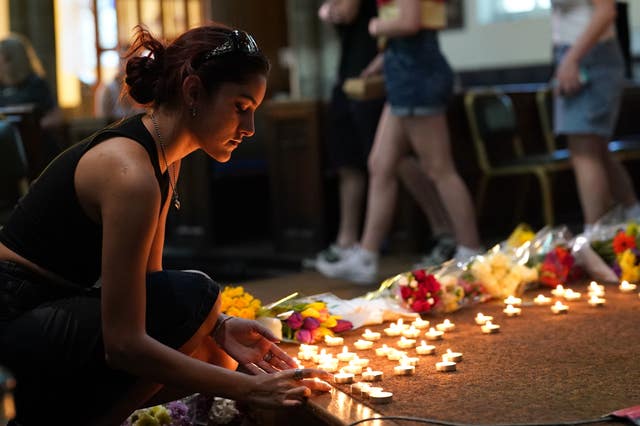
(49,227)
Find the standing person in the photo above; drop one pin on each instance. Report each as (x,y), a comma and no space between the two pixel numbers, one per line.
(22,82)
(589,79)
(111,101)
(419,84)
(352,123)
(98,212)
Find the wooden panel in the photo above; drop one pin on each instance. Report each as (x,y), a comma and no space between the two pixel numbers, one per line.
(295,175)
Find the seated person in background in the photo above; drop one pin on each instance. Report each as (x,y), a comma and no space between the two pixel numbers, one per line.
(22,82)
(110,100)
(145,335)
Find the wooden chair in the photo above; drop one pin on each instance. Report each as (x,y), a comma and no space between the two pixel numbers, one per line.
(500,152)
(14,181)
(624,148)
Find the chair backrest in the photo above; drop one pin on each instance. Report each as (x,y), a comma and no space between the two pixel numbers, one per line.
(544,103)
(13,166)
(493,125)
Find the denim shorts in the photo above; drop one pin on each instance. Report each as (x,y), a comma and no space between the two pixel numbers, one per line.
(594,109)
(418,78)
(52,340)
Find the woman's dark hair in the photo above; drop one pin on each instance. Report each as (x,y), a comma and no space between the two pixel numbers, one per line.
(215,53)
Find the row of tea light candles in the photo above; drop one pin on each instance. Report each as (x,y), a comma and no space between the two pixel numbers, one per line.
(409,332)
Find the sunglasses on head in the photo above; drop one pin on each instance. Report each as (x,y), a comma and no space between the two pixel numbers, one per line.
(237,41)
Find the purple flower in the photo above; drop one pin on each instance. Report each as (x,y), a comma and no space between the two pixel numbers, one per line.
(342,325)
(310,323)
(304,336)
(295,321)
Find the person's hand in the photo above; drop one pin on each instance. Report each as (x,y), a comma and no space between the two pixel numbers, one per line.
(289,387)
(374,67)
(253,346)
(567,77)
(324,13)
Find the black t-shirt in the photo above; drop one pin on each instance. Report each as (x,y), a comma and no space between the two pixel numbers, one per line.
(48,225)
(357,45)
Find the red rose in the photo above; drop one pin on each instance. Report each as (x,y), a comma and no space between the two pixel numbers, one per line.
(406,292)
(420,306)
(419,274)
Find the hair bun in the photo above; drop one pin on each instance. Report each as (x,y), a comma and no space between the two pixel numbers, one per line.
(142,76)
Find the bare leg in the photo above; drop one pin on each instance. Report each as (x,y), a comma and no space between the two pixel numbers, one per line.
(589,158)
(429,137)
(620,181)
(423,190)
(352,193)
(388,147)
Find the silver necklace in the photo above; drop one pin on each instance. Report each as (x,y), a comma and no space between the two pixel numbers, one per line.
(174,193)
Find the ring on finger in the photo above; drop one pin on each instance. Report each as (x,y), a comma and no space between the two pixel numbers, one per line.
(298,374)
(267,357)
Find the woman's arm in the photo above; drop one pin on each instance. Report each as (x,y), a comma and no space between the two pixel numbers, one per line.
(408,21)
(568,72)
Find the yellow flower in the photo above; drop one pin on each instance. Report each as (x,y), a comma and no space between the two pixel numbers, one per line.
(310,312)
(330,322)
(630,271)
(318,306)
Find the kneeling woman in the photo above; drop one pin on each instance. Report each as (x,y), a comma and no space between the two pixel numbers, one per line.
(96,353)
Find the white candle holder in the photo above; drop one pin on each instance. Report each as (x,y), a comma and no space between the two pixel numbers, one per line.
(371,336)
(333,340)
(372,375)
(512,311)
(425,349)
(596,301)
(383,350)
(380,397)
(481,318)
(362,345)
(433,334)
(490,328)
(420,324)
(452,356)
(405,343)
(446,325)
(512,300)
(404,370)
(542,300)
(343,377)
(559,308)
(627,287)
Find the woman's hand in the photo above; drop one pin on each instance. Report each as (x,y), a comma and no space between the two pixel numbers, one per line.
(253,346)
(568,77)
(375,66)
(288,388)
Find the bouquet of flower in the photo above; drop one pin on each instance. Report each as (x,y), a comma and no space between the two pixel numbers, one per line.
(500,275)
(235,301)
(621,252)
(305,321)
(174,413)
(559,267)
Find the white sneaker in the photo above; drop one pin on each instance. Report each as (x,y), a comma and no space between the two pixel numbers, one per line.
(357,265)
(333,253)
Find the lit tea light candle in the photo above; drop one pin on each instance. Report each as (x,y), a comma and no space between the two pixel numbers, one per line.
(362,362)
(308,348)
(372,375)
(317,358)
(405,343)
(395,355)
(411,332)
(512,311)
(380,397)
(558,291)
(345,355)
(363,344)
(452,356)
(425,349)
(393,330)
(596,301)
(481,318)
(626,287)
(343,377)
(594,287)
(353,369)
(305,355)
(409,360)
(330,367)
(541,299)
(333,340)
(512,300)
(420,324)
(490,328)
(401,325)
(571,295)
(371,336)
(559,308)
(358,388)
(366,391)
(445,365)
(383,350)
(446,325)
(433,334)
(404,370)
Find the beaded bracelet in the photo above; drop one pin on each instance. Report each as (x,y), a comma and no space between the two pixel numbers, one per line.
(219,325)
